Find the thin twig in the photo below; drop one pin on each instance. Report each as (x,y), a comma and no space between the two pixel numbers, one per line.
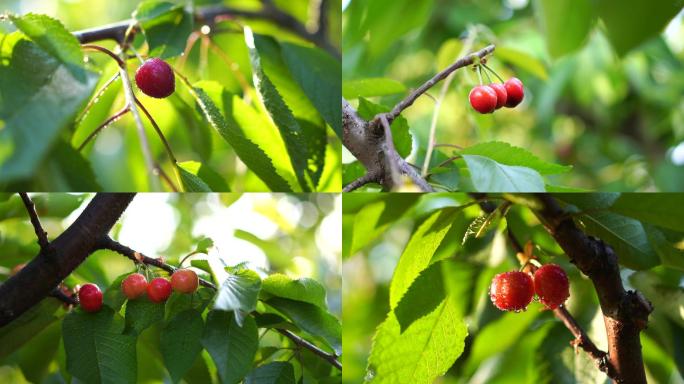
(35,221)
(113,245)
(330,358)
(63,297)
(94,99)
(107,122)
(157,129)
(165,177)
(360,182)
(105,51)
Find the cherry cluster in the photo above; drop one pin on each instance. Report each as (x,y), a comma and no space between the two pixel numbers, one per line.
(135,285)
(487,98)
(513,291)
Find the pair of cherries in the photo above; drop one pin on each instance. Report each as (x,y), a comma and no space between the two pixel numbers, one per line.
(487,98)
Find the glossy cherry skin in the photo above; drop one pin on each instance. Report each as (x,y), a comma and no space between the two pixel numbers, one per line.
(158,290)
(551,285)
(155,78)
(511,291)
(483,99)
(184,281)
(514,91)
(90,298)
(134,286)
(501,94)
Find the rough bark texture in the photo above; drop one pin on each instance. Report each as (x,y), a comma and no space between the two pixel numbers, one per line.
(625,312)
(40,276)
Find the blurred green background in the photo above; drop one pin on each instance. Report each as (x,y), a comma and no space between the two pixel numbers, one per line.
(295,234)
(501,347)
(604,80)
(116,155)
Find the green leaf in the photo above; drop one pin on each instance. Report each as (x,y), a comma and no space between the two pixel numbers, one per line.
(631,22)
(275,252)
(250,154)
(352,171)
(40,95)
(204,244)
(239,293)
(418,253)
(661,209)
(180,302)
(507,154)
(278,372)
(626,236)
(96,349)
(355,89)
(422,352)
(312,319)
(280,113)
(51,36)
(302,289)
(399,127)
(27,326)
(319,75)
(423,296)
(491,176)
(669,300)
(66,170)
(142,313)
(373,219)
(180,343)
(188,178)
(668,245)
(566,24)
(448,53)
(166,27)
(231,346)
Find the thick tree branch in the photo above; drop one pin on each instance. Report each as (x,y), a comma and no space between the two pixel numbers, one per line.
(42,274)
(371,141)
(35,221)
(209,15)
(107,242)
(625,313)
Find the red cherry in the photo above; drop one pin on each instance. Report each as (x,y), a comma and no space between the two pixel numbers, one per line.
(501,94)
(155,78)
(90,297)
(134,286)
(511,291)
(515,92)
(551,285)
(158,290)
(184,281)
(483,99)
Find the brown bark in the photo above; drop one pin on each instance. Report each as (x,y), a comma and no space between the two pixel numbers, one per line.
(42,274)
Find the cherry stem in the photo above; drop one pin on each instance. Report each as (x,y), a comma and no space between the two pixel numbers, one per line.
(493,72)
(104,50)
(157,129)
(102,126)
(94,99)
(489,79)
(479,73)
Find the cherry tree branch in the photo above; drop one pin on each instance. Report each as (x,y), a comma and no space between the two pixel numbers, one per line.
(625,313)
(47,269)
(107,242)
(35,221)
(371,141)
(208,15)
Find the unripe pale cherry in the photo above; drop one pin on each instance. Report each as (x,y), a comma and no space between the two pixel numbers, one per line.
(134,286)
(90,298)
(184,281)
(158,290)
(155,78)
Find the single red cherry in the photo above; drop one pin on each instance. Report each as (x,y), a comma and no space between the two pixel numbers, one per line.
(514,91)
(501,94)
(184,281)
(155,78)
(551,285)
(134,286)
(483,99)
(158,290)
(90,298)
(511,291)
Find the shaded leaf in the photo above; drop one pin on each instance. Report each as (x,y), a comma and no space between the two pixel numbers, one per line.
(232,347)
